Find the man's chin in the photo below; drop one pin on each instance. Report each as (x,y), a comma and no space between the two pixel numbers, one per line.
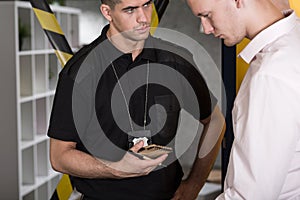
(229,43)
(140,37)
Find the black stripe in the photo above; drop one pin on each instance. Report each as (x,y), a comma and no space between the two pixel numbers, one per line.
(229,80)
(41,4)
(161,6)
(54,196)
(58,42)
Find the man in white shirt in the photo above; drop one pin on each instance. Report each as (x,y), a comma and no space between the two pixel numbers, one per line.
(265,157)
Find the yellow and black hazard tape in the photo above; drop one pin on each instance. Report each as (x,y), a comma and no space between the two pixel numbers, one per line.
(64,52)
(63,189)
(52,29)
(159,8)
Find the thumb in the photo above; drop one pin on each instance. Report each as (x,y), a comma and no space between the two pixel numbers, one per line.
(137,146)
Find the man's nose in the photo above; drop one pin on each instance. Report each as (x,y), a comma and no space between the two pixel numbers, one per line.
(141,15)
(207,27)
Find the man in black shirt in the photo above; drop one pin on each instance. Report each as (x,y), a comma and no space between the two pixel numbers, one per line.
(105,105)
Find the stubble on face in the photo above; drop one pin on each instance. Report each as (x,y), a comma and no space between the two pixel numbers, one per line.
(130,25)
(137,33)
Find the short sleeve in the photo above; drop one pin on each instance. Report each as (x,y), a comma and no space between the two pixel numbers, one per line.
(62,125)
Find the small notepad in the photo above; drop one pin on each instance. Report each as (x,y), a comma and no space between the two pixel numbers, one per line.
(154,151)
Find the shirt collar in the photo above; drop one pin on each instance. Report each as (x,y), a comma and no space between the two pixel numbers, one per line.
(268,36)
(148,52)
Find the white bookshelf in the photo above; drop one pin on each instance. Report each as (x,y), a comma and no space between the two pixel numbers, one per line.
(28,79)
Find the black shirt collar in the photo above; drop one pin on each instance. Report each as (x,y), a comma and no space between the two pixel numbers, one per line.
(148,53)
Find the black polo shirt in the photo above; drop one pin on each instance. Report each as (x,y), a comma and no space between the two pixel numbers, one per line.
(90,109)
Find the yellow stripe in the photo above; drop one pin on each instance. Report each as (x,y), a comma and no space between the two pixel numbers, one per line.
(295,5)
(63,57)
(64,188)
(48,21)
(241,65)
(154,20)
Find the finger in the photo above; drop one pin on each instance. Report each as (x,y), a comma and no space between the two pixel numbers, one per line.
(161,158)
(137,146)
(156,162)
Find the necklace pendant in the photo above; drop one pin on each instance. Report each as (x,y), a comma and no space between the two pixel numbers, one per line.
(136,136)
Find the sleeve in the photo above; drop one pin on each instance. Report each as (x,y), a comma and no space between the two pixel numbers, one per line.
(205,98)
(207,101)
(265,140)
(62,125)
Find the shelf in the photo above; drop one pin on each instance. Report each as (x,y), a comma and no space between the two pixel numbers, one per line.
(50,104)
(24,25)
(31,74)
(52,179)
(28,176)
(29,196)
(40,74)
(37,96)
(43,159)
(74,35)
(38,139)
(53,71)
(26,76)
(39,35)
(27,121)
(53,183)
(35,52)
(41,116)
(42,192)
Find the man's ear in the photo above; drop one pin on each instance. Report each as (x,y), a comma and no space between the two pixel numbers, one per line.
(106,11)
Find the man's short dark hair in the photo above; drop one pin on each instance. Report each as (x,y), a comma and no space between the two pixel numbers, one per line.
(111,3)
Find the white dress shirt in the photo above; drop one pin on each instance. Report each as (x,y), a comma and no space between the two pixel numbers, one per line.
(265,157)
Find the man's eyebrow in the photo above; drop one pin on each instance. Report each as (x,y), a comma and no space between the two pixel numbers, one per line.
(130,8)
(148,2)
(134,7)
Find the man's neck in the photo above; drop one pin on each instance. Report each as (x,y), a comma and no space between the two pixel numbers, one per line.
(126,45)
(266,18)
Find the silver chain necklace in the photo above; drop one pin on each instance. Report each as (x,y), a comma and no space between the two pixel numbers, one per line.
(126,103)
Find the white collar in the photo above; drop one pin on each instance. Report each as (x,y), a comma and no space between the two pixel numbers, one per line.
(269,35)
